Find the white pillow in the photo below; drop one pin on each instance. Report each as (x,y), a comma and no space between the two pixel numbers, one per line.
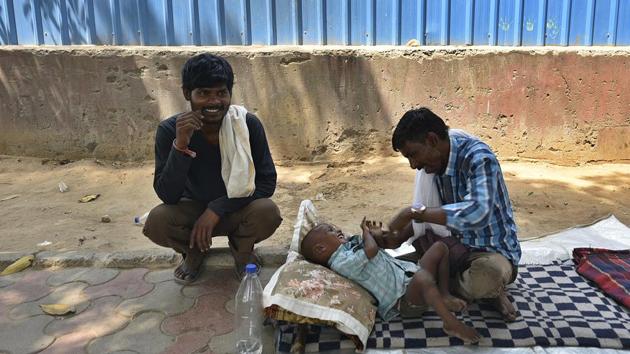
(306,219)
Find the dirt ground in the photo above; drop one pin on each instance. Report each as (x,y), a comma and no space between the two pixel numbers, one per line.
(546,198)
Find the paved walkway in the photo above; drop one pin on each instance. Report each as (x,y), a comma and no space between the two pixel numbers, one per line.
(120,310)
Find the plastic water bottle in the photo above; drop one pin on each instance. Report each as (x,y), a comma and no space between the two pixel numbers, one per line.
(249,317)
(139,220)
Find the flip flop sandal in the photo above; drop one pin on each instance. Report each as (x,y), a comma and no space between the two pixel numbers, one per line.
(191,277)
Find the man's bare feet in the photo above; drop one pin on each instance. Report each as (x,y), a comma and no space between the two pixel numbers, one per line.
(454,304)
(503,304)
(188,270)
(457,329)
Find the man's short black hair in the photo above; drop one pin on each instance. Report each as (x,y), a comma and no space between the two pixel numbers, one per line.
(414,126)
(207,70)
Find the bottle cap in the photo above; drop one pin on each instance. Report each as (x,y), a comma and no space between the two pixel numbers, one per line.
(251,268)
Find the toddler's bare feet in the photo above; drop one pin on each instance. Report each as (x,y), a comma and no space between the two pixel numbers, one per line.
(454,304)
(457,329)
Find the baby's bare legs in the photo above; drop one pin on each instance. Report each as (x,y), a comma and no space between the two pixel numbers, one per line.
(423,290)
(439,251)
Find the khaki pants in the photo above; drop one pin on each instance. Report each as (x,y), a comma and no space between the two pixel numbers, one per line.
(170,225)
(482,275)
(486,277)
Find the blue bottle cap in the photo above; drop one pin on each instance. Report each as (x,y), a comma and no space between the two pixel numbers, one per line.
(251,268)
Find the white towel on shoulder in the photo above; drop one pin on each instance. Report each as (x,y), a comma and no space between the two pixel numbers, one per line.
(426,193)
(237,164)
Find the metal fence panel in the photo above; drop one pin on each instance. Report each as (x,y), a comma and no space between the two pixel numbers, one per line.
(323,22)
(263,22)
(460,22)
(78,22)
(211,22)
(8,33)
(386,22)
(509,23)
(412,21)
(337,22)
(623,23)
(581,29)
(26,26)
(288,22)
(313,17)
(603,29)
(361,21)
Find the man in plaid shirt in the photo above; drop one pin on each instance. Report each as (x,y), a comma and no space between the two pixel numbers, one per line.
(475,208)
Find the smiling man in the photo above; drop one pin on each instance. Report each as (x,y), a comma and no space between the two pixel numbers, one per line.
(475,207)
(214,173)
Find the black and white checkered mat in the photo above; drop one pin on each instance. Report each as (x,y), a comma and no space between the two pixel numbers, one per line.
(557,307)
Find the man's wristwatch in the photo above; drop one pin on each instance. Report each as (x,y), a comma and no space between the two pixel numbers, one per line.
(417,212)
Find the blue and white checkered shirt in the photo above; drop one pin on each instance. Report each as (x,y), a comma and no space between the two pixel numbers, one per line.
(475,198)
(384,276)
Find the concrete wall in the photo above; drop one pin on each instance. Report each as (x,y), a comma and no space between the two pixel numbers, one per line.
(564,105)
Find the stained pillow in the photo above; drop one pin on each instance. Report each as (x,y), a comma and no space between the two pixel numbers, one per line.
(303,292)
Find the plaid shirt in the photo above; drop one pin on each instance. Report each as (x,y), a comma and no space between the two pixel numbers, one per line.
(383,276)
(475,198)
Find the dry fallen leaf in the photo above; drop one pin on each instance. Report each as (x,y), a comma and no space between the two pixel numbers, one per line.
(89,198)
(19,265)
(58,309)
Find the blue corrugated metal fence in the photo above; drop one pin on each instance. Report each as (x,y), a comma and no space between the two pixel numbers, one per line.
(326,22)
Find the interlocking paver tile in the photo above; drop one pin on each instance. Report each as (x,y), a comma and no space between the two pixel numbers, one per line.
(91,276)
(69,294)
(16,276)
(69,343)
(98,320)
(166,297)
(192,342)
(142,335)
(213,281)
(29,287)
(75,333)
(225,344)
(128,284)
(158,276)
(5,282)
(230,306)
(208,314)
(25,336)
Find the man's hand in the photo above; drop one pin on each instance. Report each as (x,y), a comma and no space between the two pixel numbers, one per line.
(185,126)
(201,235)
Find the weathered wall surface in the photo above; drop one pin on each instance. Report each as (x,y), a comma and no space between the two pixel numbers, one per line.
(565,105)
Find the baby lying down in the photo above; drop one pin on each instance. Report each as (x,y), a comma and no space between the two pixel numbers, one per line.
(388,279)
